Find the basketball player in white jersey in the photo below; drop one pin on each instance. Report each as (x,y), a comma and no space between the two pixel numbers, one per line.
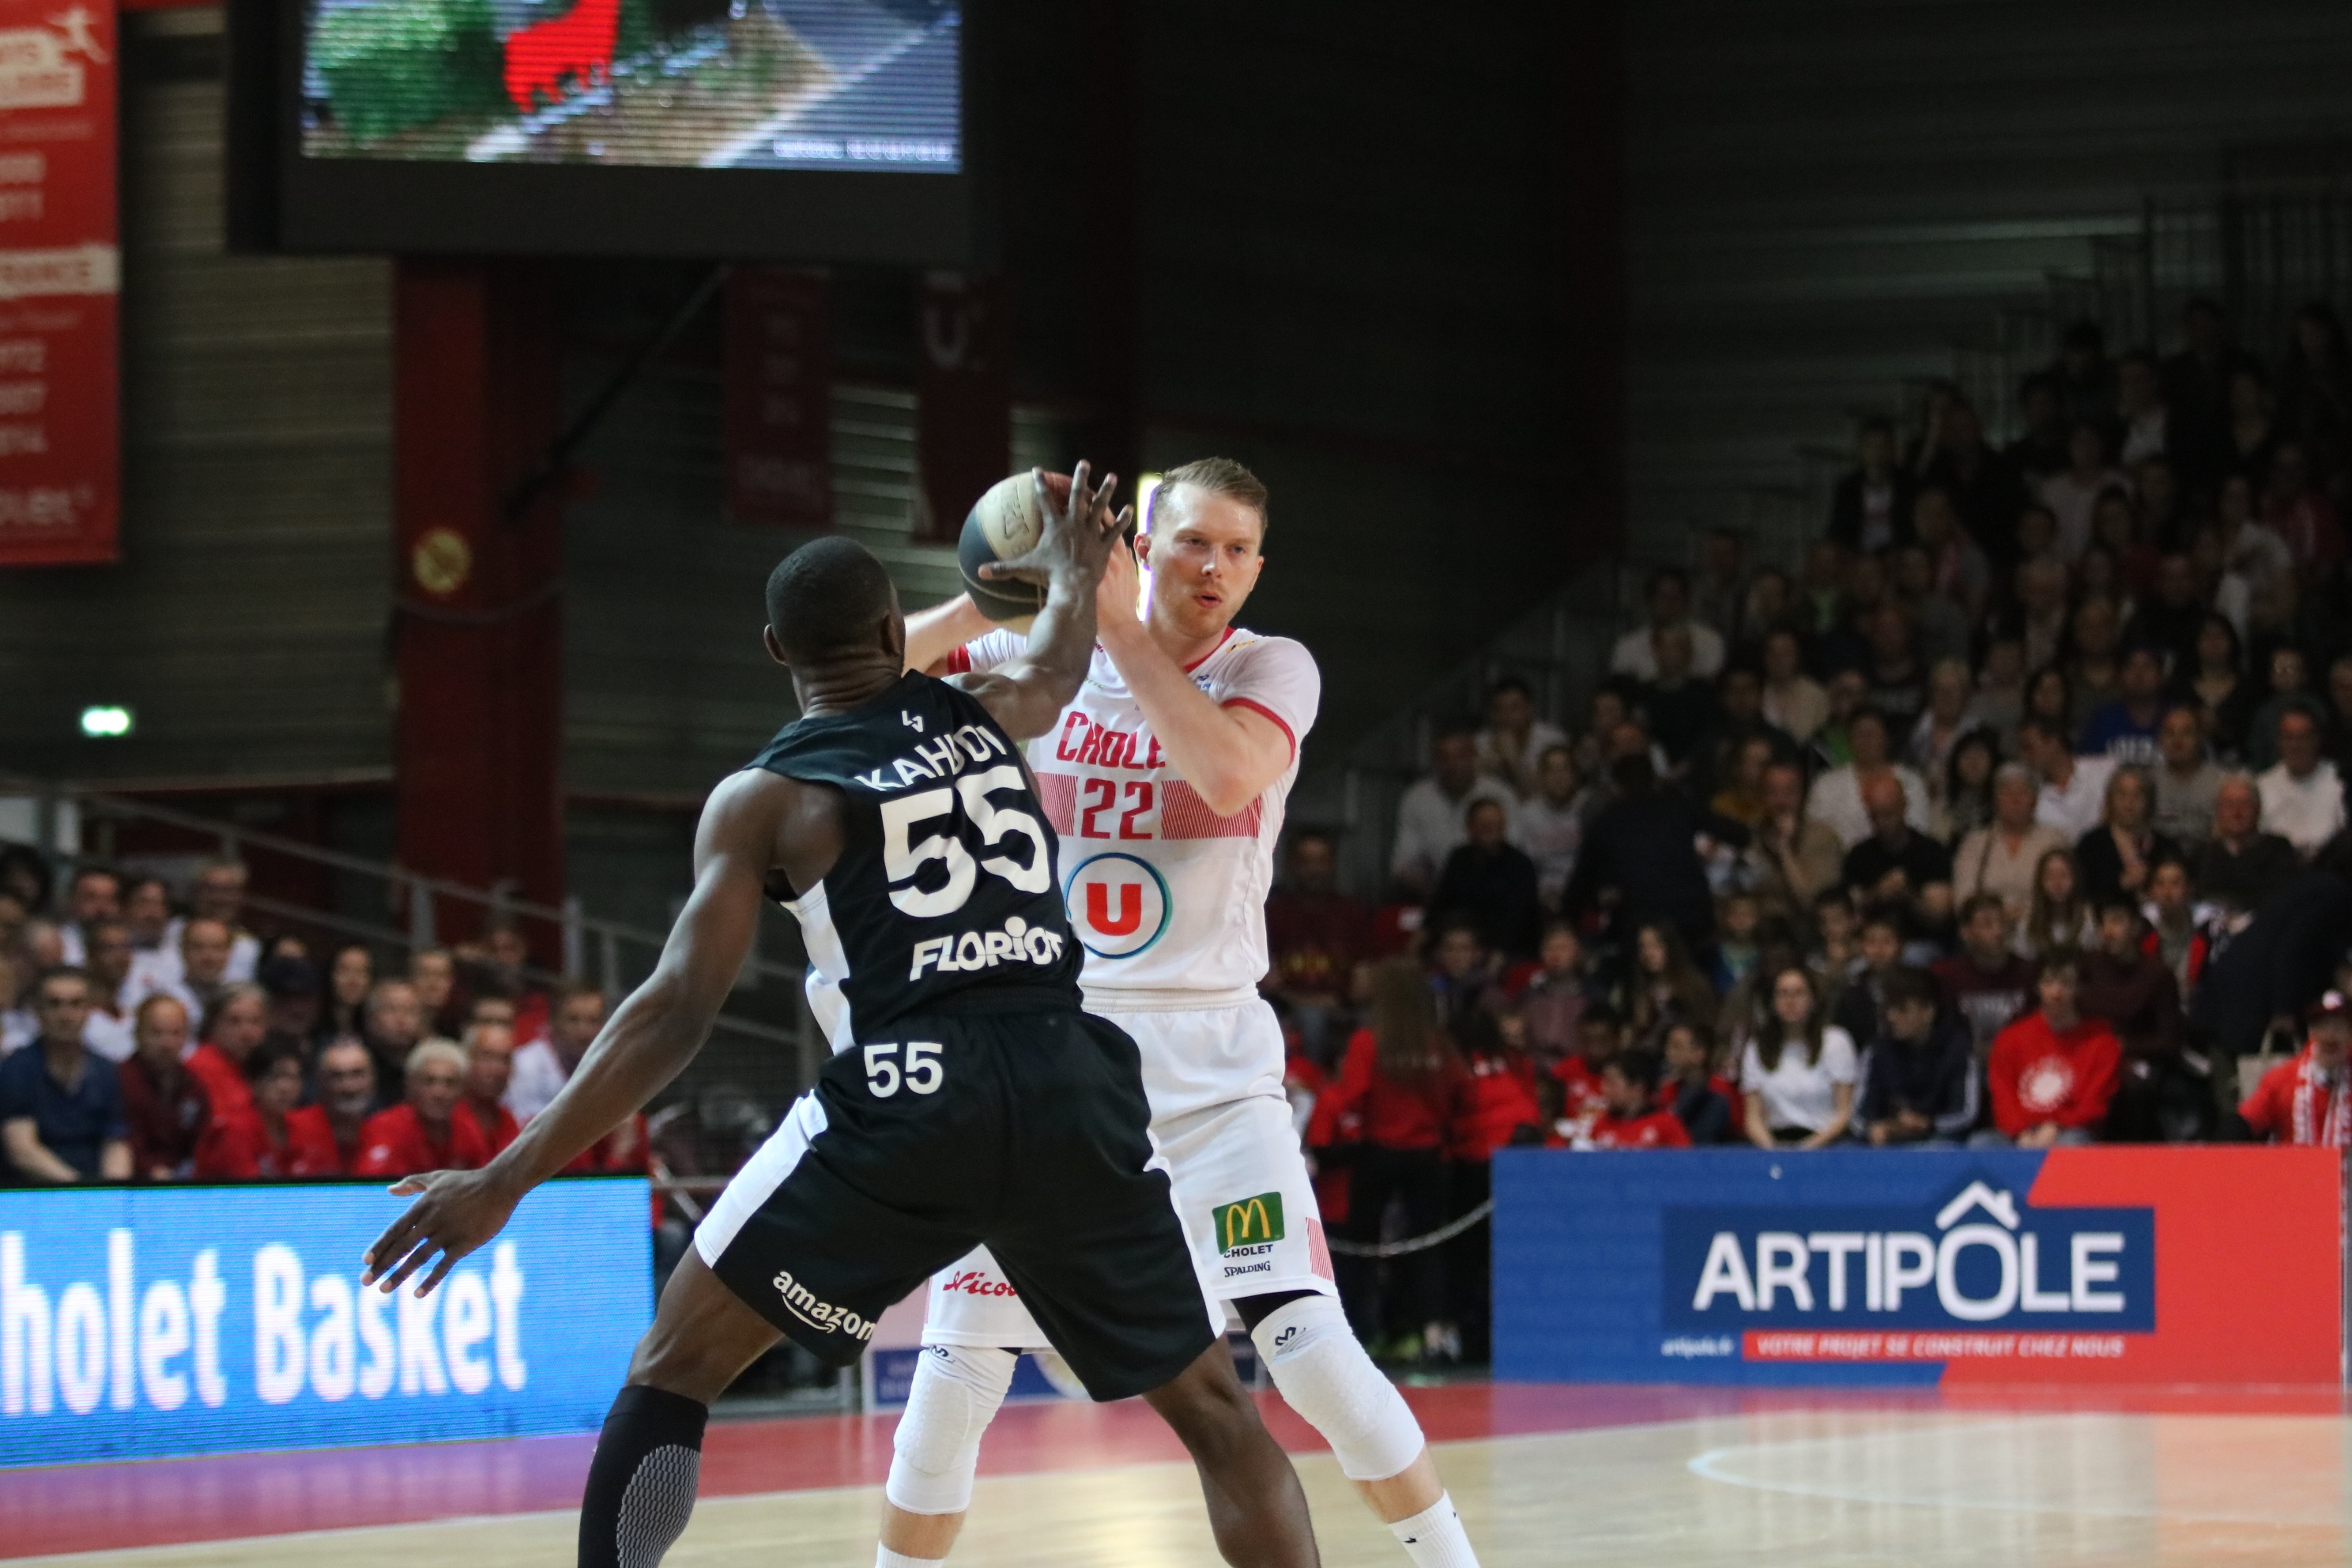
(1166,779)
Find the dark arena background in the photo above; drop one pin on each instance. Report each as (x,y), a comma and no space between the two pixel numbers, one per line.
(1810,931)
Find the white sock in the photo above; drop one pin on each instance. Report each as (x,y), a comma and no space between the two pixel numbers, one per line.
(1434,1537)
(886,1558)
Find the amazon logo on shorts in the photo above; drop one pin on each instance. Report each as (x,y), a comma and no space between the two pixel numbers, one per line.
(1119,904)
(824,1316)
(1250,1225)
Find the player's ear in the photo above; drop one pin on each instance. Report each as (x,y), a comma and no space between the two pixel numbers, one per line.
(1142,547)
(775,650)
(893,636)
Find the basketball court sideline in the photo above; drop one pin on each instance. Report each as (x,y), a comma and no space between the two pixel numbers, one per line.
(1648,1477)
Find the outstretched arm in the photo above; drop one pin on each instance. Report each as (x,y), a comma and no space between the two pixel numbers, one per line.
(1230,755)
(935,633)
(1026,696)
(649,1038)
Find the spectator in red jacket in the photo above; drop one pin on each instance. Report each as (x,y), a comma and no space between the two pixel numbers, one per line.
(489,1063)
(233,1030)
(164,1105)
(1598,1038)
(274,1137)
(2308,1100)
(423,1132)
(347,1095)
(1400,1075)
(1494,1100)
(1631,1118)
(2053,1071)
(1316,935)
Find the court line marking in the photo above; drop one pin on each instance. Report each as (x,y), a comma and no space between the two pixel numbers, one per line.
(332,1532)
(1708,1467)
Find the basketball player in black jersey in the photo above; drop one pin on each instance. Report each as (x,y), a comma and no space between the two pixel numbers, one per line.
(968,1100)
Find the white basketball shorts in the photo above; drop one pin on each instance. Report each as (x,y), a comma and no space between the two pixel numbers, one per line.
(1240,1183)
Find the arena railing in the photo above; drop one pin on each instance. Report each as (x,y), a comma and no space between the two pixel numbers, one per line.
(1560,647)
(615,954)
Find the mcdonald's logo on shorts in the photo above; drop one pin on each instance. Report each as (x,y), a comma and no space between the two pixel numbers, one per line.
(1249,1223)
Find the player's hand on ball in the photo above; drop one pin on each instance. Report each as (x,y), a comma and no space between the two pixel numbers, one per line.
(1117,597)
(1073,536)
(455,1212)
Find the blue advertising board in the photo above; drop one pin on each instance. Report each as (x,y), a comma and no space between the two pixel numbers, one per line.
(1915,1266)
(139,1322)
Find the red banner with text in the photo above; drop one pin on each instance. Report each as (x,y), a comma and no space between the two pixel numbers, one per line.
(60,271)
(777,377)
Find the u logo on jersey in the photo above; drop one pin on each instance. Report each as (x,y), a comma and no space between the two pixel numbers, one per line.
(1119,904)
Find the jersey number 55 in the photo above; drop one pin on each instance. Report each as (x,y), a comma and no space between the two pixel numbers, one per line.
(904,856)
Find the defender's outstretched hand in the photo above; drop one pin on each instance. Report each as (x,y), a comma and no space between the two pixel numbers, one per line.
(1075,536)
(455,1212)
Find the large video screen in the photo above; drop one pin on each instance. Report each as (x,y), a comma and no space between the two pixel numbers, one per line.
(704,84)
(812,131)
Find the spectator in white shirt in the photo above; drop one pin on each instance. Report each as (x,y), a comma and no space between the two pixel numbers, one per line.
(2072,495)
(218,895)
(1798,1072)
(1669,605)
(111,1032)
(2145,416)
(1515,739)
(1551,823)
(2302,799)
(1792,699)
(198,972)
(543,1067)
(2073,789)
(1836,798)
(1430,816)
(147,911)
(94,894)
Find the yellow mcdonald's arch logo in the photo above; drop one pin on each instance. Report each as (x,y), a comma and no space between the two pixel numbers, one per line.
(1251,1220)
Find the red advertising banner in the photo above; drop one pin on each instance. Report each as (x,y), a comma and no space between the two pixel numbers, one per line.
(778,381)
(963,399)
(60,280)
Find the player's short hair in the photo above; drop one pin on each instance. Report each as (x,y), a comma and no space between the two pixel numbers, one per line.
(1220,477)
(437,1049)
(826,598)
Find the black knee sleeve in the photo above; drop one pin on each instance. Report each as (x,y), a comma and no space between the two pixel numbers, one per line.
(641,1484)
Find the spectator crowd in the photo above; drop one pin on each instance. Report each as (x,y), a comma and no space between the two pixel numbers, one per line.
(2012,814)
(144,1037)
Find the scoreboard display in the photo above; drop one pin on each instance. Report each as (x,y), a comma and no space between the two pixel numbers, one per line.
(808,131)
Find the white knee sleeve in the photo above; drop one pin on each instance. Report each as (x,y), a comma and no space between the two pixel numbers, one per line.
(1326,1377)
(955,1395)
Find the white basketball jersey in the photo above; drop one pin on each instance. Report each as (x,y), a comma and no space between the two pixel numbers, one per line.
(1167,896)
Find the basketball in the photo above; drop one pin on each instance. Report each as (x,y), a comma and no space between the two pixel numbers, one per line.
(1004,525)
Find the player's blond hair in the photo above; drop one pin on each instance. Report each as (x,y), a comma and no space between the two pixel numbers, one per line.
(1218,477)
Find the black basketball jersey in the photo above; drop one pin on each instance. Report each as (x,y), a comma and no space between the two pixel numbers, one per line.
(947,883)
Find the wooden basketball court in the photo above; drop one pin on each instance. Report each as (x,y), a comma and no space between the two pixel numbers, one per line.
(1544,1475)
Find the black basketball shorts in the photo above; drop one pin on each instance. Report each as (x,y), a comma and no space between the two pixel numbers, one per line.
(1024,1129)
